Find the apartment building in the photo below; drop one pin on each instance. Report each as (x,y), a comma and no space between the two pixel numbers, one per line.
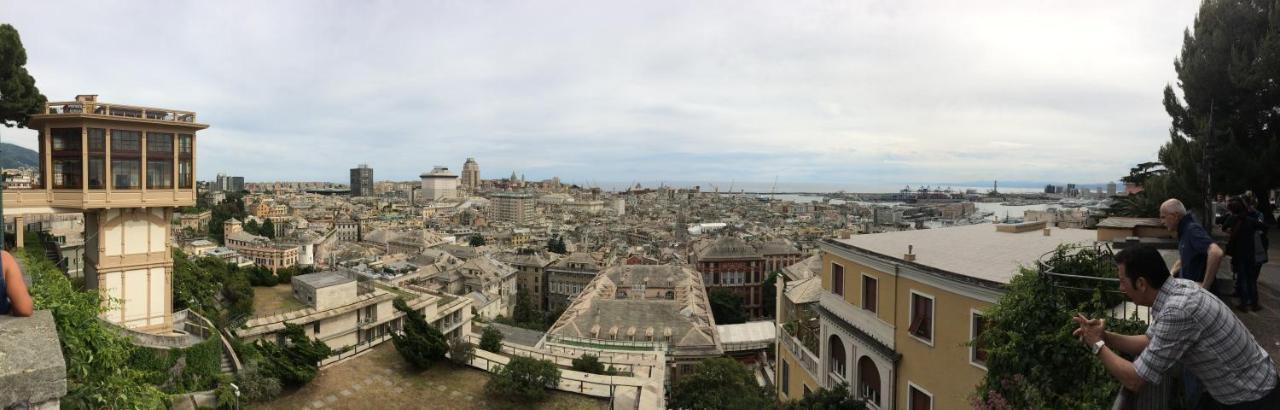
(567,277)
(896,311)
(335,308)
(262,251)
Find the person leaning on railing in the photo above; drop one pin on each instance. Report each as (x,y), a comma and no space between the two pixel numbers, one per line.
(15,300)
(1190,326)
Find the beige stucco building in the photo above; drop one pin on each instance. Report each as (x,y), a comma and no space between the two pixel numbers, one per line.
(343,312)
(126,168)
(896,311)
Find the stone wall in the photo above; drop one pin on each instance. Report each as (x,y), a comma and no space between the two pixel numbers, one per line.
(32,370)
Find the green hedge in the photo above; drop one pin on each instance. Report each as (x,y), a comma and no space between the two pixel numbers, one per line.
(99,374)
(204,361)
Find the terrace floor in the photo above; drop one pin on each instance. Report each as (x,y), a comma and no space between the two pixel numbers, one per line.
(276,299)
(1265,323)
(381,379)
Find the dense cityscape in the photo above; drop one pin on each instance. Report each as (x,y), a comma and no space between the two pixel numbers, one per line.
(142,271)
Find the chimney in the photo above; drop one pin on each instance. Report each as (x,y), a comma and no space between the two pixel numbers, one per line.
(910,256)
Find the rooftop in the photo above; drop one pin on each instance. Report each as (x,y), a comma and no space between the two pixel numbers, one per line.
(729,247)
(977,251)
(322,279)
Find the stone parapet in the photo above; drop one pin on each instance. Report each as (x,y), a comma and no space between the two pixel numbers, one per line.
(32,371)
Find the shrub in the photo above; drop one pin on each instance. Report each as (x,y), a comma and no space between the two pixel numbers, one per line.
(460,351)
(491,340)
(523,379)
(589,363)
(836,398)
(1032,359)
(256,385)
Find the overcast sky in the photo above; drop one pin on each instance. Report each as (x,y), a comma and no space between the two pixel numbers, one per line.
(858,93)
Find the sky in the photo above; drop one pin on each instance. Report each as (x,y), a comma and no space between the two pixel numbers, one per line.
(855,94)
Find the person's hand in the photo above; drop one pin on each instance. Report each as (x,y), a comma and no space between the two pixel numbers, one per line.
(1090,330)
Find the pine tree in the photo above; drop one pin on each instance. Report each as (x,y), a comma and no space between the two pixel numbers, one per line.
(420,344)
(19,97)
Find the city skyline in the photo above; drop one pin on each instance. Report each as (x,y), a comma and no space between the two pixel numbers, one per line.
(874,94)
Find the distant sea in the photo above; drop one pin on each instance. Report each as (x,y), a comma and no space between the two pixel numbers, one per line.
(793,187)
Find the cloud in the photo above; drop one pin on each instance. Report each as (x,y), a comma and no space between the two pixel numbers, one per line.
(817,92)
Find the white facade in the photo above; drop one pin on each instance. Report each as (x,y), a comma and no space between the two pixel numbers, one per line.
(439,184)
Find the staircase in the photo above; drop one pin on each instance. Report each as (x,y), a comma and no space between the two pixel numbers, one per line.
(225,366)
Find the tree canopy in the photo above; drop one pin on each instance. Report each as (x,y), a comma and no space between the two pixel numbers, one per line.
(1032,359)
(719,383)
(421,344)
(523,379)
(1227,71)
(835,398)
(491,339)
(295,362)
(726,307)
(19,97)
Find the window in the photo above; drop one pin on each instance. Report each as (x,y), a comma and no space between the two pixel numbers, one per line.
(837,279)
(786,378)
(97,158)
(838,359)
(977,352)
(918,399)
(868,380)
(315,327)
(807,390)
(126,159)
(869,291)
(159,160)
(65,144)
(921,317)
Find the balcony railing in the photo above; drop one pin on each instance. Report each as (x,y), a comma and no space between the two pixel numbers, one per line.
(808,360)
(118,110)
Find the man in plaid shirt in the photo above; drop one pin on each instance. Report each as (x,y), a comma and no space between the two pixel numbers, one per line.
(1191,327)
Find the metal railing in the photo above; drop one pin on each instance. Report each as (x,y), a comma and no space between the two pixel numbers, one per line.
(354,350)
(808,360)
(567,382)
(554,358)
(118,110)
(605,343)
(1119,305)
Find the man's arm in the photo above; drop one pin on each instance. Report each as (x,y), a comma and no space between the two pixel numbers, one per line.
(1176,269)
(20,300)
(1211,268)
(1121,369)
(1127,344)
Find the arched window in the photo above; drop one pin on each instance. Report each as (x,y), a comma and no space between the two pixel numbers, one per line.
(838,359)
(868,380)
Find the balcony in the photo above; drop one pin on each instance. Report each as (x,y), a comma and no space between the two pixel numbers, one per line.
(808,360)
(859,318)
(102,109)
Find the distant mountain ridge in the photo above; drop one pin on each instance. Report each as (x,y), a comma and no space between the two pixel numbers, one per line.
(13,156)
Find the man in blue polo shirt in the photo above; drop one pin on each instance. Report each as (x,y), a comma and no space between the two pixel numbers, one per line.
(1198,255)
(1198,260)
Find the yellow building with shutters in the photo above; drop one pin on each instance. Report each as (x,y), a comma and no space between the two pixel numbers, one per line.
(893,314)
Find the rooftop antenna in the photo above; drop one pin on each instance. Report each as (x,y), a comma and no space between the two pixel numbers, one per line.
(774,187)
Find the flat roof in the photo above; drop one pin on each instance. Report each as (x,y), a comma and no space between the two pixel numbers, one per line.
(976,251)
(1126,222)
(323,279)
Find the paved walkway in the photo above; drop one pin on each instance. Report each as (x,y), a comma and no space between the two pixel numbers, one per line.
(1265,323)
